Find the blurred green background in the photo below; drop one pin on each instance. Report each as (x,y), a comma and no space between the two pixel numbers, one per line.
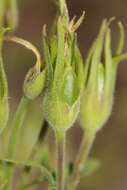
(110,146)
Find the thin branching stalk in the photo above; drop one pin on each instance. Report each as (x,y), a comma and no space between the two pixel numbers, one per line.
(17,124)
(60,147)
(62,6)
(81,159)
(21,112)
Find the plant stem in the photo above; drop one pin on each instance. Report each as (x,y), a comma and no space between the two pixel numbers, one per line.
(84,151)
(2,12)
(17,124)
(60,144)
(62,6)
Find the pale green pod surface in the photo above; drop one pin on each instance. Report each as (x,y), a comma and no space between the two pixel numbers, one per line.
(92,103)
(64,63)
(97,100)
(69,89)
(101,81)
(4,108)
(93,113)
(59,114)
(34,83)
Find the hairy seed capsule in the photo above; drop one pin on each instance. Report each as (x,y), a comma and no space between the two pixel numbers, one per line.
(34,83)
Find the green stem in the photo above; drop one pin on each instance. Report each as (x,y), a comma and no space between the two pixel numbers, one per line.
(82,157)
(121,57)
(17,124)
(13,14)
(2,12)
(60,144)
(62,6)
(45,172)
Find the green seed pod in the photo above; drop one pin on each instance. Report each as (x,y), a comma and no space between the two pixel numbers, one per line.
(34,83)
(62,101)
(97,100)
(4,108)
(58,113)
(65,71)
(95,110)
(95,106)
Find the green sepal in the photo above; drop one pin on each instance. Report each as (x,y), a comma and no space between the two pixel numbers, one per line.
(53,49)
(47,57)
(96,58)
(79,67)
(60,60)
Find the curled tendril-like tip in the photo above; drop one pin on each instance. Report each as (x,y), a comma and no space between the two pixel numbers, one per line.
(27,45)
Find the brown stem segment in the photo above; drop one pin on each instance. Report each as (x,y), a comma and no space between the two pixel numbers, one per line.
(82,157)
(60,142)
